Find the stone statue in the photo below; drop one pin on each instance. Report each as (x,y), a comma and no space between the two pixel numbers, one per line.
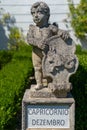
(53,51)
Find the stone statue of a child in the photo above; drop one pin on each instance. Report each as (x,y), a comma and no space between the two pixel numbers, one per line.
(37,34)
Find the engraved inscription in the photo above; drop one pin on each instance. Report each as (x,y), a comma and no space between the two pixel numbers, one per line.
(44,116)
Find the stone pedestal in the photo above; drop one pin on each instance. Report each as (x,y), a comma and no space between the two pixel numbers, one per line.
(47,112)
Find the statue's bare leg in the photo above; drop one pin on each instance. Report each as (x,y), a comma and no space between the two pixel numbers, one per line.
(37,63)
(38,77)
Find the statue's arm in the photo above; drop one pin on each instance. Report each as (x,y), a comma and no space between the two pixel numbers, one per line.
(32,40)
(30,36)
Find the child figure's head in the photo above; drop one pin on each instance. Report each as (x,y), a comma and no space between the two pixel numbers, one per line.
(41,13)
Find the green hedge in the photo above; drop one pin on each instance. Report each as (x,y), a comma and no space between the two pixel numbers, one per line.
(13,80)
(5,57)
(79,91)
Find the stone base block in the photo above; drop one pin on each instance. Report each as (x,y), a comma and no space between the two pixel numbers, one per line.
(54,113)
(48,129)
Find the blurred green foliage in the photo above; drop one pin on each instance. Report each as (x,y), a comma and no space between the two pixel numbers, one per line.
(5,57)
(14,78)
(79,17)
(16,38)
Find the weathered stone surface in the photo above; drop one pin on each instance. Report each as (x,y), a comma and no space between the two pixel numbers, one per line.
(54,61)
(53,51)
(59,63)
(27,100)
(45,93)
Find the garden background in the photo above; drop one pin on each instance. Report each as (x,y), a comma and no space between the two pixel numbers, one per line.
(16,70)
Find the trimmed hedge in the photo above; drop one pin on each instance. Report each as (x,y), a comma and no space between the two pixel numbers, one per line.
(13,80)
(79,91)
(5,57)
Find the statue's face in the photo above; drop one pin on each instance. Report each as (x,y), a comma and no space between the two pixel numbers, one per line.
(39,16)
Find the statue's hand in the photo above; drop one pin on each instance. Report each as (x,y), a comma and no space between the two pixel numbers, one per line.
(45,47)
(63,34)
(42,45)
